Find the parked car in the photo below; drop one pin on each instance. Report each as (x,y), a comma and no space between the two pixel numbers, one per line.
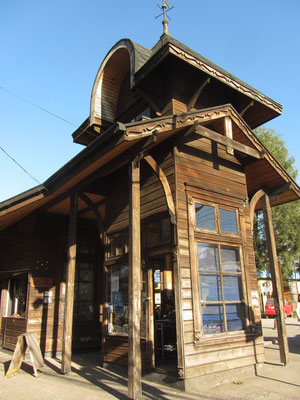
(270,308)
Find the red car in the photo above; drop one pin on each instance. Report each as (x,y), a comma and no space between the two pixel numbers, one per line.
(270,308)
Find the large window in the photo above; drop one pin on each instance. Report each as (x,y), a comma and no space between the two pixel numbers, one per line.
(216,267)
(221,293)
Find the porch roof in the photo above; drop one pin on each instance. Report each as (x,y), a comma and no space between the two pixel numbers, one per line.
(106,154)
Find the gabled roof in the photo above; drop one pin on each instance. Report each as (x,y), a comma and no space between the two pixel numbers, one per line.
(108,153)
(196,59)
(127,57)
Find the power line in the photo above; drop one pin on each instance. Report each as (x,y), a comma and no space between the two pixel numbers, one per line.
(40,108)
(37,106)
(26,172)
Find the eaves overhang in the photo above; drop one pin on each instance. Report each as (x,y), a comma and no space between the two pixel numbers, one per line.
(168,45)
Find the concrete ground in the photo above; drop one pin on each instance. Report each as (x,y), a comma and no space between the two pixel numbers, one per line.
(88,381)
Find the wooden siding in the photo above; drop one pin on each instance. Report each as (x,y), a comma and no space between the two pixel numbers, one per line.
(206,171)
(12,328)
(152,195)
(153,203)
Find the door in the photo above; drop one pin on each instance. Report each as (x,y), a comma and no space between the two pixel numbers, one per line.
(160,311)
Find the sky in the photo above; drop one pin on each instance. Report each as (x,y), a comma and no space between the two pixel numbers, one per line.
(50,52)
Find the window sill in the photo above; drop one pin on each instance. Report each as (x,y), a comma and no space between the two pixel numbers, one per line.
(224,338)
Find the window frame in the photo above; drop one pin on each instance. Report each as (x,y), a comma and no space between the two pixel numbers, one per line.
(217,206)
(196,235)
(223,302)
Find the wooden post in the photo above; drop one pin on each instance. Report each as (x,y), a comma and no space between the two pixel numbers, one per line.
(228,132)
(134,294)
(68,320)
(276,280)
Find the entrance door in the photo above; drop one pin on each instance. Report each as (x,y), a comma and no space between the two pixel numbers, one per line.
(160,311)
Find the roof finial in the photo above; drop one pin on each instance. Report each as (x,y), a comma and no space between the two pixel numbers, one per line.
(165,8)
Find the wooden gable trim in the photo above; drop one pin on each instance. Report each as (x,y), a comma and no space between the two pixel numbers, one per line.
(227,79)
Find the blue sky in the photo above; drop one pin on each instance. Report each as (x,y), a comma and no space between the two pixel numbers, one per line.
(51,51)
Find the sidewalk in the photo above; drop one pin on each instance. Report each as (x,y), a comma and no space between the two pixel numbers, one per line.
(88,381)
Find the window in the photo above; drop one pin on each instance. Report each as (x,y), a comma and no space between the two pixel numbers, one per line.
(16,296)
(221,292)
(117,244)
(84,292)
(117,309)
(215,244)
(216,219)
(156,233)
(118,300)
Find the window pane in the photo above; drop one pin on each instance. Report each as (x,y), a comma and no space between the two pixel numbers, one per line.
(232,288)
(205,217)
(234,316)
(118,300)
(85,311)
(210,288)
(86,272)
(228,221)
(85,291)
(230,258)
(212,319)
(208,257)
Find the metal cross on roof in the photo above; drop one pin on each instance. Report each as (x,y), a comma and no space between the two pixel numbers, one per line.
(165,8)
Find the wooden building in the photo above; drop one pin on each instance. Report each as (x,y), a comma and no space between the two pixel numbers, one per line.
(142,243)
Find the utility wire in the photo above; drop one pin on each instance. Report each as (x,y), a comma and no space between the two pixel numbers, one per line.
(26,172)
(40,108)
(35,105)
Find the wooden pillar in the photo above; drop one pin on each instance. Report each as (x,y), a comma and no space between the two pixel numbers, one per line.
(68,320)
(134,294)
(228,132)
(276,280)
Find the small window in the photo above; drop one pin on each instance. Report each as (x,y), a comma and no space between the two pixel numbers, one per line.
(216,219)
(156,233)
(17,293)
(117,244)
(205,217)
(228,221)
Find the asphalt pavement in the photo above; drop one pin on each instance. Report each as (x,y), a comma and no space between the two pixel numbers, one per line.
(88,381)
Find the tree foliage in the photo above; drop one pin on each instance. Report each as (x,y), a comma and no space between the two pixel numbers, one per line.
(286,217)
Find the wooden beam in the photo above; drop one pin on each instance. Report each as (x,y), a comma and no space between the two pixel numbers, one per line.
(149,100)
(255,199)
(69,304)
(217,137)
(96,212)
(134,290)
(194,263)
(251,104)
(197,94)
(228,133)
(276,281)
(165,184)
(283,188)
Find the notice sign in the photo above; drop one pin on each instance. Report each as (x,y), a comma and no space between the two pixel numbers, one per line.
(26,340)
(255,298)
